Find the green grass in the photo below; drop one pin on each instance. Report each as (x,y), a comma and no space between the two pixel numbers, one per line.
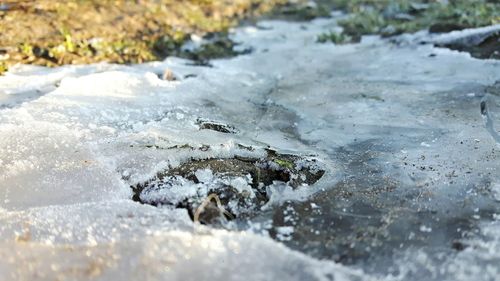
(284,163)
(392,17)
(334,37)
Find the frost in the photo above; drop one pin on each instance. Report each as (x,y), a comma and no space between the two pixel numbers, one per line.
(284,233)
(496,192)
(424,228)
(241,185)
(204,175)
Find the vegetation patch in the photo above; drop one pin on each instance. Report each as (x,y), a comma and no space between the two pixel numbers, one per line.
(52,33)
(216,126)
(393,17)
(334,37)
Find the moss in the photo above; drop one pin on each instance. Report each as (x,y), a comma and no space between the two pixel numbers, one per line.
(284,163)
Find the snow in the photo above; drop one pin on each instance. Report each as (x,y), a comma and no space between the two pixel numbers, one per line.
(74,139)
(204,175)
(178,189)
(284,233)
(242,186)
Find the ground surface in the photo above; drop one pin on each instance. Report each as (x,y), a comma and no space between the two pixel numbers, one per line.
(54,33)
(303,160)
(409,186)
(74,32)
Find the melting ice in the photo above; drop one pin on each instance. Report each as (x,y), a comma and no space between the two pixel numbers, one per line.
(411,183)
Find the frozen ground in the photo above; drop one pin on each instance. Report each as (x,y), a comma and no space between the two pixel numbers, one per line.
(411,188)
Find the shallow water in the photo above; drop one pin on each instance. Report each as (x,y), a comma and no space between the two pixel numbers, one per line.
(411,188)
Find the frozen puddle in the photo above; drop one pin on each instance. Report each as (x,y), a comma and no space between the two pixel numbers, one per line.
(374,161)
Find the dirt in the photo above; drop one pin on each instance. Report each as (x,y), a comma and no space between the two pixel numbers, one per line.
(54,33)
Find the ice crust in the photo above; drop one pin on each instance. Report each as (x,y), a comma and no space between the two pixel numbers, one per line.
(73,139)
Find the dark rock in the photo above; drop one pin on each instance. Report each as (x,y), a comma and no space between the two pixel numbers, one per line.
(457,245)
(216,126)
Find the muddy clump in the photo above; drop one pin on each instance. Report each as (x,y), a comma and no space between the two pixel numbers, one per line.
(221,189)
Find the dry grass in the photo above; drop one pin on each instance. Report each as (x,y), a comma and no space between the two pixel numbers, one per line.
(47,32)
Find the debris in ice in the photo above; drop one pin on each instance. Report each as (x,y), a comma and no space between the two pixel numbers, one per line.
(169,75)
(216,126)
(242,184)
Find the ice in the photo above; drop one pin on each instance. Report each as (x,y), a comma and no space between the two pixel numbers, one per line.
(176,191)
(204,175)
(410,190)
(284,233)
(242,186)
(45,163)
(470,36)
(173,255)
(496,192)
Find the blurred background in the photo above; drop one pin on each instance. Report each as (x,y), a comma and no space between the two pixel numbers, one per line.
(50,33)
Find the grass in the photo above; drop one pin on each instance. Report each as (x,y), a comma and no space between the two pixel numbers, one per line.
(284,163)
(334,37)
(392,17)
(51,33)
